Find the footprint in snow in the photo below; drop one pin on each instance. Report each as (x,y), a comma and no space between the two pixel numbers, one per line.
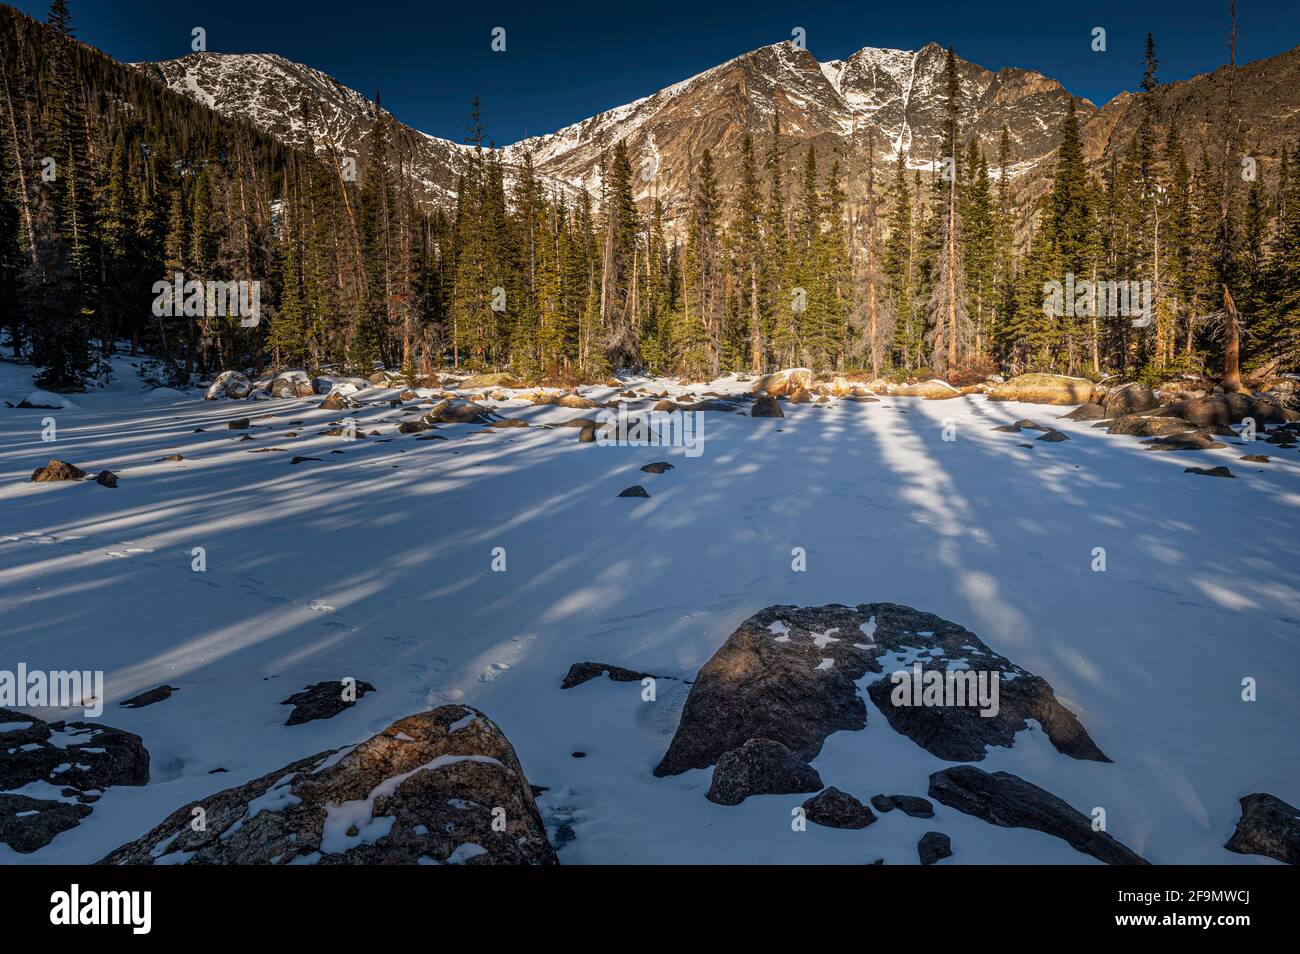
(659,719)
(493,671)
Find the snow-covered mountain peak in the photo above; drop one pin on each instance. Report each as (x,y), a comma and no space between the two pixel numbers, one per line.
(892,98)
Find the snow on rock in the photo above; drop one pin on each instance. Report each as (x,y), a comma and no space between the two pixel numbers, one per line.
(395,534)
(291,384)
(75,761)
(784,383)
(1043,389)
(230,384)
(47,400)
(755,687)
(934,389)
(416,790)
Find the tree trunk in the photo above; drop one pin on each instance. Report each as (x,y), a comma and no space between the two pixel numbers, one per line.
(1231,344)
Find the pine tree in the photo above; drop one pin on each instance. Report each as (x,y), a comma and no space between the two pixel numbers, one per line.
(1282,324)
(875,315)
(978,244)
(697,338)
(59,287)
(951,333)
(621,228)
(781,326)
(899,269)
(1069,226)
(748,233)
(1004,234)
(834,275)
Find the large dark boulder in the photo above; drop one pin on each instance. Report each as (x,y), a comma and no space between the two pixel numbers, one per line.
(426,790)
(791,674)
(1086,412)
(1140,425)
(1231,409)
(79,759)
(92,756)
(1009,801)
(459,412)
(28,824)
(1193,440)
(1129,399)
(1268,826)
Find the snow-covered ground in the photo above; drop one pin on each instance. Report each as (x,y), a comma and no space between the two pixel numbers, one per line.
(376,563)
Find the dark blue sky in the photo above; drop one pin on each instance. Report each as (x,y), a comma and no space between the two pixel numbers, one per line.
(566,62)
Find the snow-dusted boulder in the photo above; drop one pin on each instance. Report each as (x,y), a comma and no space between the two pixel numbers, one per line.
(325,383)
(459,412)
(337,400)
(75,759)
(791,674)
(431,788)
(291,384)
(47,400)
(842,387)
(932,390)
(574,401)
(784,382)
(234,385)
(1043,389)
